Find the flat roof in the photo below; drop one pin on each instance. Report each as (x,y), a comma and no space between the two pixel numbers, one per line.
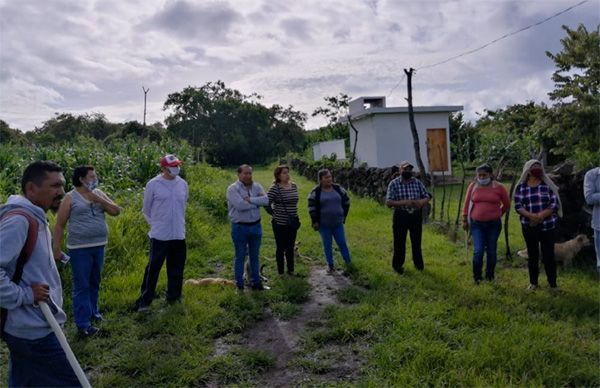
(404,109)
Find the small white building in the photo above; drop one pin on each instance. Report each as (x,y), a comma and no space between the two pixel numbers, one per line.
(326,148)
(385,139)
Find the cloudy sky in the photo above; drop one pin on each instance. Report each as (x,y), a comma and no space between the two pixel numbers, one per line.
(95,56)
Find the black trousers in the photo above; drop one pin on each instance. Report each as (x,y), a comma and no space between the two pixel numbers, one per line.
(174,251)
(285,240)
(534,238)
(407,222)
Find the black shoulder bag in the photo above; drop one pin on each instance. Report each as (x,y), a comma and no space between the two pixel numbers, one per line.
(292,219)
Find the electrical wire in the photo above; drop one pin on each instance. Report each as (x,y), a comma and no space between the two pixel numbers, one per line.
(503,37)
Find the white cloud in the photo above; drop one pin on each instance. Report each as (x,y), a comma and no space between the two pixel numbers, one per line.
(94,56)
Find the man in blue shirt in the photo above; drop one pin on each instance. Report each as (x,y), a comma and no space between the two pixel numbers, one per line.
(407,195)
(244,199)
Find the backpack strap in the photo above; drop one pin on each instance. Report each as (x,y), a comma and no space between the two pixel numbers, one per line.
(26,251)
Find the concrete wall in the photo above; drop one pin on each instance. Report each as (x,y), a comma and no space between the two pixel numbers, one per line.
(366,150)
(386,139)
(326,148)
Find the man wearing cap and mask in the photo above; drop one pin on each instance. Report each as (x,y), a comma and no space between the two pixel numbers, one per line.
(165,199)
(407,195)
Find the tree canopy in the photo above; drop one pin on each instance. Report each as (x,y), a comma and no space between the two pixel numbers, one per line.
(232,128)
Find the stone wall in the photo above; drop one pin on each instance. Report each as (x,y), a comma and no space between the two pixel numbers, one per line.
(365,181)
(372,182)
(576,216)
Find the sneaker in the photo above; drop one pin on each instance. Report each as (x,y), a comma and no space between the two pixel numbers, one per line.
(331,270)
(555,289)
(97,317)
(532,287)
(142,308)
(89,332)
(258,287)
(477,282)
(399,271)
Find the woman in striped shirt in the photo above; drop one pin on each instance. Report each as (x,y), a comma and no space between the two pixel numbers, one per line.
(283,200)
(538,203)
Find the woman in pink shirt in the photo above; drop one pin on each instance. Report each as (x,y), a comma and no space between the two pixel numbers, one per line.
(486,201)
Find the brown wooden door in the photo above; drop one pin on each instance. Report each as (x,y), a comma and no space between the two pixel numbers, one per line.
(437,149)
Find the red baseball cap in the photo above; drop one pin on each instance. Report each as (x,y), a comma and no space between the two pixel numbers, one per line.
(169,161)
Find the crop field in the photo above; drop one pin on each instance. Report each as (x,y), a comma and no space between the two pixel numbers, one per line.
(434,328)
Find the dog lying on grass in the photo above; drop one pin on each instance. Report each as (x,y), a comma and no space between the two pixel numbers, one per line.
(227,282)
(209,281)
(566,251)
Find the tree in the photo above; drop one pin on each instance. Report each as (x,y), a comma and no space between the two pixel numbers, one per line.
(336,108)
(232,128)
(464,138)
(575,120)
(68,126)
(10,135)
(520,121)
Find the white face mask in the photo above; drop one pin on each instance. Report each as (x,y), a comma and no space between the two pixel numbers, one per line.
(173,171)
(484,181)
(91,185)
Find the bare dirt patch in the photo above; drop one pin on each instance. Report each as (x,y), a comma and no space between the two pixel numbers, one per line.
(282,340)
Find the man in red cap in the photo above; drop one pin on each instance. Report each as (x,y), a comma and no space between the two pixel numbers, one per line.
(165,199)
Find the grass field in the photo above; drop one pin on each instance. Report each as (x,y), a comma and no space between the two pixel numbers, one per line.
(420,329)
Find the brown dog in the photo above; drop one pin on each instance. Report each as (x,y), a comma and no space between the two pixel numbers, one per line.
(566,251)
(209,281)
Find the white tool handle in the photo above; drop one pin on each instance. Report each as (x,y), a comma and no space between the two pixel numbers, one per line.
(65,345)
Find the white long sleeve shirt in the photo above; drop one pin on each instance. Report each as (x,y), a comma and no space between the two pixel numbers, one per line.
(164,207)
(591,192)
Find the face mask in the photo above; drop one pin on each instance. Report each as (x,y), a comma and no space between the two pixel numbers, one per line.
(407,174)
(173,171)
(484,181)
(536,172)
(92,185)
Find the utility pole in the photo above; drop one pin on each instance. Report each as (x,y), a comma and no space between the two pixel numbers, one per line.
(355,141)
(413,126)
(145,94)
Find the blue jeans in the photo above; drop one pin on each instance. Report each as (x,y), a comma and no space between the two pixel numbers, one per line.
(86,265)
(337,232)
(485,239)
(39,362)
(597,246)
(246,240)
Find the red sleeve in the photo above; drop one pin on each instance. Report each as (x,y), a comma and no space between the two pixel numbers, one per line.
(467,199)
(504,198)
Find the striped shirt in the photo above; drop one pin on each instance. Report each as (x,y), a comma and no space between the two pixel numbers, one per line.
(536,199)
(284,203)
(401,190)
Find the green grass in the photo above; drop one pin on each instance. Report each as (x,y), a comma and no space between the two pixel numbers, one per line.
(420,329)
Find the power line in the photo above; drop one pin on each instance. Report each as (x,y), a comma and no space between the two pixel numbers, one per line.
(503,36)
(398,84)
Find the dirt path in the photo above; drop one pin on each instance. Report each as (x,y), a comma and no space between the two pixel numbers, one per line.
(282,340)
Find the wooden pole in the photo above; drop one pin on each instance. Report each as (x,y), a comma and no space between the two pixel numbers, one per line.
(413,126)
